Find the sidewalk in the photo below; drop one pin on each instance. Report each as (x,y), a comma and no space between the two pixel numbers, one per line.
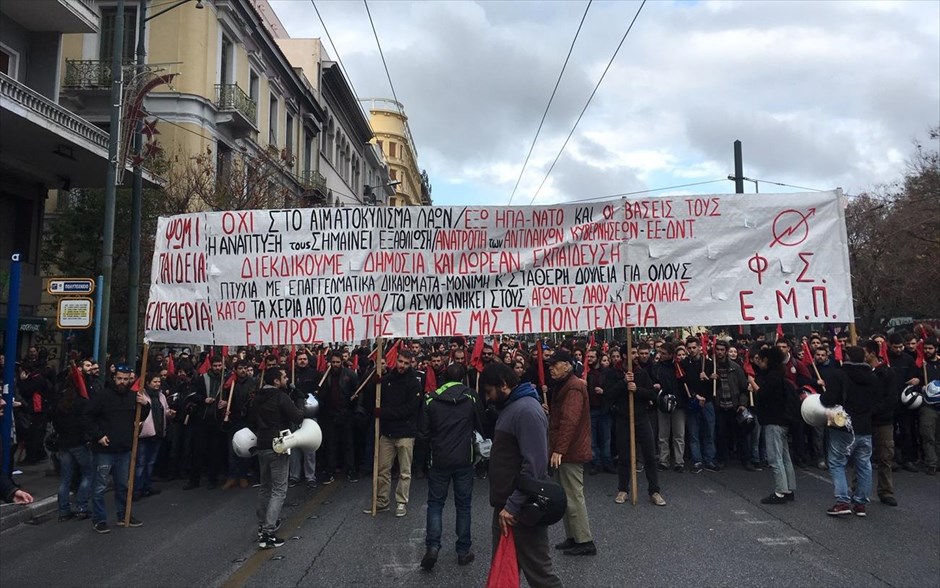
(42,482)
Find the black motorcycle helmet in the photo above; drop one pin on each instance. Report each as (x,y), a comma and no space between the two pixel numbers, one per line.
(546,502)
(666,402)
(746,421)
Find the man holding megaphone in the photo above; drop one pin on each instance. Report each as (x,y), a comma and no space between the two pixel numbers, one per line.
(271,412)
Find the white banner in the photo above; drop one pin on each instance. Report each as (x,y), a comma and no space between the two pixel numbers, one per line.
(276,277)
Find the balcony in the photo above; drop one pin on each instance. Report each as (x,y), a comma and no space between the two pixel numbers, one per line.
(236,109)
(314,181)
(86,74)
(62,16)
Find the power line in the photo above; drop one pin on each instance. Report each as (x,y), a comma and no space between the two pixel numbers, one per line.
(591,97)
(789,185)
(622,194)
(384,64)
(338,58)
(547,106)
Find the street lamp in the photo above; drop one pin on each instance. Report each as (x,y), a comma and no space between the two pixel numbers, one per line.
(133,269)
(369,195)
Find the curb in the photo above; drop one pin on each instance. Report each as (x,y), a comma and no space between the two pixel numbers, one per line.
(13,515)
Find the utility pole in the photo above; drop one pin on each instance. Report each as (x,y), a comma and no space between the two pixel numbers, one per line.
(738,169)
(133,262)
(110,194)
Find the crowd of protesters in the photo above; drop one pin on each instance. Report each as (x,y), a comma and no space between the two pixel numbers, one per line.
(704,402)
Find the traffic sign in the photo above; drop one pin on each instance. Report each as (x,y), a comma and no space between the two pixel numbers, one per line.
(75,313)
(70,286)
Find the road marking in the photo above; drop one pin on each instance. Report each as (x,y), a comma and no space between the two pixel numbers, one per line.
(739,512)
(708,490)
(400,569)
(756,521)
(783,540)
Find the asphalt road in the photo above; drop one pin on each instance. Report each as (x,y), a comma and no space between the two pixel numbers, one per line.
(714,532)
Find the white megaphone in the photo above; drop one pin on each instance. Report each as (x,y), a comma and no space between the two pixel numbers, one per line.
(817,415)
(307,437)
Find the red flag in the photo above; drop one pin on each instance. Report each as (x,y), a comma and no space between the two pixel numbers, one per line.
(883,352)
(748,366)
(228,382)
(170,365)
(807,355)
(592,341)
(225,352)
(205,365)
(430,381)
(779,332)
(79,381)
(322,363)
(504,571)
(135,387)
(921,360)
(703,342)
(605,347)
(391,357)
(540,362)
(293,354)
(837,352)
(355,362)
(740,329)
(680,373)
(476,358)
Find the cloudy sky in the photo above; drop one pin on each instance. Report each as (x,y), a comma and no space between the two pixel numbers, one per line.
(822,94)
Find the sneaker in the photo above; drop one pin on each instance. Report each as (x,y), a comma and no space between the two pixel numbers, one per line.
(464,559)
(586,548)
(566,544)
(329,480)
(790,496)
(378,510)
(757,466)
(400,510)
(910,467)
(102,527)
(697,467)
(292,483)
(662,467)
(311,486)
(712,467)
(889,500)
(678,468)
(430,558)
(66,517)
(621,497)
(859,510)
(774,498)
(821,465)
(270,541)
(657,499)
(132,522)
(639,469)
(82,516)
(840,508)
(352,477)
(750,467)
(277,525)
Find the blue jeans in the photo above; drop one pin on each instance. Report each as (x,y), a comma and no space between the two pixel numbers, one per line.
(148,449)
(778,456)
(438,481)
(600,437)
(841,449)
(117,466)
(702,434)
(69,459)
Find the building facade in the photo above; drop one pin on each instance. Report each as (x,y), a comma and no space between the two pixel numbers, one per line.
(393,136)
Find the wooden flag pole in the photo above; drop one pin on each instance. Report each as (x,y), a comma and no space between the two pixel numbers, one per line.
(633,494)
(362,386)
(228,403)
(853,334)
(379,358)
(133,469)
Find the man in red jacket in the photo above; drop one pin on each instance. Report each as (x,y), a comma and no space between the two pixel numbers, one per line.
(569,440)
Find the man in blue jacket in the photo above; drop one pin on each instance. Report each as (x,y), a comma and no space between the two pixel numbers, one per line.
(448,423)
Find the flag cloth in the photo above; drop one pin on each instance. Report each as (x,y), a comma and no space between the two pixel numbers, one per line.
(504,571)
(355,362)
(883,352)
(476,358)
(206,364)
(921,359)
(224,352)
(779,332)
(322,363)
(837,352)
(592,341)
(430,381)
(748,366)
(540,363)
(230,381)
(807,355)
(170,365)
(79,381)
(391,358)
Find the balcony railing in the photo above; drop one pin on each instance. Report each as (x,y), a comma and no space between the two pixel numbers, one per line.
(92,75)
(47,110)
(313,180)
(232,98)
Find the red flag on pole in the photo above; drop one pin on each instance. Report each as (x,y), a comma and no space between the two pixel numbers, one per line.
(430,381)
(921,359)
(748,366)
(779,332)
(322,363)
(224,352)
(391,358)
(540,362)
(229,381)
(79,381)
(293,354)
(883,353)
(680,373)
(170,365)
(703,341)
(807,355)
(740,329)
(476,358)
(592,341)
(205,365)
(355,362)
(837,352)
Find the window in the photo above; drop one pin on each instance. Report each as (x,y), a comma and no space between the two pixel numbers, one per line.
(393,174)
(380,145)
(8,61)
(253,90)
(106,38)
(223,168)
(308,150)
(226,63)
(392,148)
(272,120)
(289,135)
